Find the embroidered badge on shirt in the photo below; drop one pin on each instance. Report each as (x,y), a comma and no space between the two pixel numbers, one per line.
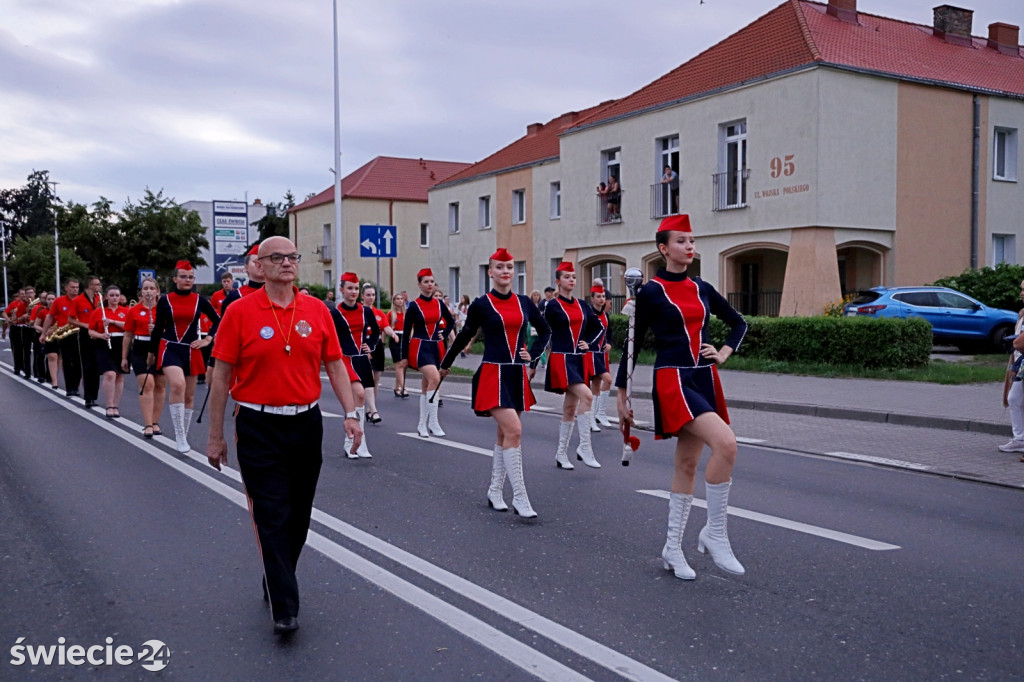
(267,333)
(303,328)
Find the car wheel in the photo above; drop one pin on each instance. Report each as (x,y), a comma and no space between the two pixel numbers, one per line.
(996,338)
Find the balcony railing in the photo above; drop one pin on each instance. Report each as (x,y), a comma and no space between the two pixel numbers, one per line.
(764,303)
(730,190)
(664,200)
(323,253)
(609,209)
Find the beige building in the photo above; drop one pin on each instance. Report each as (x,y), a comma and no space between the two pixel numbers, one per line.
(385,191)
(819,151)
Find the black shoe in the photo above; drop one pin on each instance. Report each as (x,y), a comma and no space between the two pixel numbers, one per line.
(90,404)
(283,626)
(72,394)
(201,379)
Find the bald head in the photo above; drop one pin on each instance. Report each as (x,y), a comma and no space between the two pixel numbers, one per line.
(278,261)
(276,245)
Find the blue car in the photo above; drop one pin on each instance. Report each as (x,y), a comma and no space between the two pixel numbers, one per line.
(956,318)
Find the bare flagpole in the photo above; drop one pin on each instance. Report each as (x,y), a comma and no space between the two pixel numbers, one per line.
(338,267)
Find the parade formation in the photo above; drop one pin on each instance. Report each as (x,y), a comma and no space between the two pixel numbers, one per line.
(269,341)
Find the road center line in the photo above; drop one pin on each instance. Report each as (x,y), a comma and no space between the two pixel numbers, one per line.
(838,536)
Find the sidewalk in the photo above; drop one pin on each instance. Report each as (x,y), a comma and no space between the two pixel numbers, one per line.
(947,430)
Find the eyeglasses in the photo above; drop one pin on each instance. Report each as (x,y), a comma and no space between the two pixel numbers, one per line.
(278,258)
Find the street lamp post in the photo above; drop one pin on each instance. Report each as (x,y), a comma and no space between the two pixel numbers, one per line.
(3,241)
(56,237)
(337,269)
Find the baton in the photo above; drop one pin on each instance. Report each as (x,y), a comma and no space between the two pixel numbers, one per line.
(203,408)
(634,278)
(434,395)
(144,380)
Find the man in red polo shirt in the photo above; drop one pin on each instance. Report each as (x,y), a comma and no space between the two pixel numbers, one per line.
(82,307)
(227,282)
(60,312)
(269,348)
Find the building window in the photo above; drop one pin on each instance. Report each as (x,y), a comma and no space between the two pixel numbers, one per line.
(611,165)
(730,183)
(519,207)
(453,218)
(325,251)
(424,235)
(485,280)
(665,190)
(556,200)
(520,278)
(1004,154)
(453,285)
(1004,249)
(554,268)
(328,280)
(484,210)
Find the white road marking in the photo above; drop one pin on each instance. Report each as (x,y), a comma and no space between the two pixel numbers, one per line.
(880,460)
(449,443)
(749,441)
(854,540)
(509,648)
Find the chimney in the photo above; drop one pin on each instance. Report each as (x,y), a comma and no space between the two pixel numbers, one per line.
(953,24)
(1004,38)
(843,10)
(534,128)
(257,202)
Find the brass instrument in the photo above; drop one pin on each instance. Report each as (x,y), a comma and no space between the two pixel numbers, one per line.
(61,332)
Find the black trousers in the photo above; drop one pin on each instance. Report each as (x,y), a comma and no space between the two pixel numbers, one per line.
(72,361)
(17,350)
(90,372)
(279,458)
(39,369)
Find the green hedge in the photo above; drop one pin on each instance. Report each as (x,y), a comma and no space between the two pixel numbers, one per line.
(998,287)
(881,343)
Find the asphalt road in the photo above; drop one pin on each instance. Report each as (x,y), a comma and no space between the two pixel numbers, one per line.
(853,571)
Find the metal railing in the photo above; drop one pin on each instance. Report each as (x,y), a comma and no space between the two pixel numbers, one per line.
(323,253)
(765,303)
(664,200)
(730,190)
(609,210)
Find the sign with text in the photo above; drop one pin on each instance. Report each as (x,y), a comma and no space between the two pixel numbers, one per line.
(230,236)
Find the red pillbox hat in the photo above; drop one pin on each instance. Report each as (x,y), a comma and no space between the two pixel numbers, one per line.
(183,265)
(565,266)
(501,255)
(350,277)
(675,223)
(425,272)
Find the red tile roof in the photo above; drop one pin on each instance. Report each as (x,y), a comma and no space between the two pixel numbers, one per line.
(800,34)
(539,143)
(389,178)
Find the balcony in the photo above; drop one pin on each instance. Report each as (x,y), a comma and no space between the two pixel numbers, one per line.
(764,303)
(664,201)
(609,209)
(323,253)
(730,190)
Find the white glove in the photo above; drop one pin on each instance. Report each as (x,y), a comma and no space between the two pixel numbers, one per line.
(628,309)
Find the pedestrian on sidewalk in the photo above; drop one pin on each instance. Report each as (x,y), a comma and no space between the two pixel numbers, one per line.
(688,400)
(1013,387)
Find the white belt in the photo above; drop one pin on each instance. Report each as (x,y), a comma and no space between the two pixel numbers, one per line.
(278,409)
(113,334)
(142,338)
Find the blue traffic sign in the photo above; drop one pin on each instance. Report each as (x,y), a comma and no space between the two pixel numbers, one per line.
(144,273)
(378,241)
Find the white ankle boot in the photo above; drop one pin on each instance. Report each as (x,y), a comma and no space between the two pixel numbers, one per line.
(602,404)
(177,411)
(496,493)
(513,458)
(362,450)
(564,434)
(672,555)
(584,451)
(421,428)
(714,537)
(432,423)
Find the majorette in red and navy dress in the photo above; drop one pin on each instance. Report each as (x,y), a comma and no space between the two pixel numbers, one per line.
(678,309)
(570,320)
(602,363)
(177,326)
(501,380)
(356,325)
(427,322)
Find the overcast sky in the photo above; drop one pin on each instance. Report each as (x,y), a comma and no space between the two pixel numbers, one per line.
(210,99)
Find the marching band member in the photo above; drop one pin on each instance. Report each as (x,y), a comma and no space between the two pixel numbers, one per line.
(176,347)
(501,387)
(600,385)
(227,283)
(688,400)
(36,315)
(17,315)
(397,322)
(51,350)
(427,322)
(106,329)
(58,323)
(358,335)
(254,281)
(137,336)
(83,306)
(369,297)
(574,330)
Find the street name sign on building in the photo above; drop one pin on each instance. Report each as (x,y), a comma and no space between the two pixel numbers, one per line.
(378,241)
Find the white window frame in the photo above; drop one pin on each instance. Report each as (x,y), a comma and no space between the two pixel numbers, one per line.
(734,133)
(518,206)
(453,217)
(485,280)
(520,277)
(328,280)
(556,200)
(484,212)
(1004,249)
(453,285)
(424,235)
(611,164)
(1004,154)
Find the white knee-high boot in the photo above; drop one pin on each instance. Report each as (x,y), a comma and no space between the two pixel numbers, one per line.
(432,423)
(496,492)
(602,405)
(561,456)
(514,467)
(421,428)
(594,428)
(584,450)
(177,411)
(672,555)
(362,450)
(714,537)
(188,420)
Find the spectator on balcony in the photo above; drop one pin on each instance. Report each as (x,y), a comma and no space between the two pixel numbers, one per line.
(671,178)
(614,199)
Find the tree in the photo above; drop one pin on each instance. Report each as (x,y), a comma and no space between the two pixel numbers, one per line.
(27,211)
(33,263)
(275,222)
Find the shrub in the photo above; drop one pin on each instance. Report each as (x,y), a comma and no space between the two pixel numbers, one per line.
(998,287)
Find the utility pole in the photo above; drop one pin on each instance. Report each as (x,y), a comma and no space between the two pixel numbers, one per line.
(56,237)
